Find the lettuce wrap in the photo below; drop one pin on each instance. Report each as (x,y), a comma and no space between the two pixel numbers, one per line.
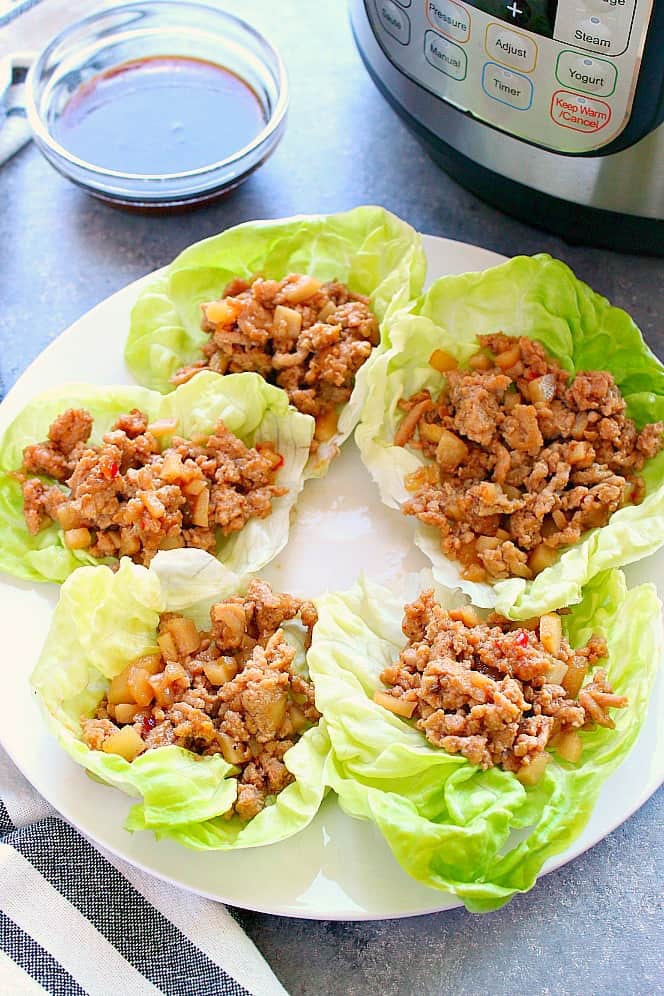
(538,297)
(449,823)
(252,409)
(105,620)
(369,249)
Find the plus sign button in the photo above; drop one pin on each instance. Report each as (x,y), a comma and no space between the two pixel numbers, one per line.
(517,12)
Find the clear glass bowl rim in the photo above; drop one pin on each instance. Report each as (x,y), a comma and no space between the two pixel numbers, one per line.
(44,135)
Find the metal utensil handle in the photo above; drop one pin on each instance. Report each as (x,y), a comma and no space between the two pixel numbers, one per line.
(14,128)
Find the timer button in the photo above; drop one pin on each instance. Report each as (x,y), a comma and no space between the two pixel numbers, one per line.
(586,114)
(511,48)
(445,56)
(507,86)
(394,20)
(450,18)
(580,72)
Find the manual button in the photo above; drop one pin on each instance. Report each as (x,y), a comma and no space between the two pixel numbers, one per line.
(580,72)
(510,47)
(445,56)
(569,110)
(506,86)
(394,20)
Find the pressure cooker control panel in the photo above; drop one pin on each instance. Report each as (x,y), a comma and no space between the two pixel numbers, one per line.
(559,74)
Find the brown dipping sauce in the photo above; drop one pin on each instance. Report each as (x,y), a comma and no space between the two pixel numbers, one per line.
(162,114)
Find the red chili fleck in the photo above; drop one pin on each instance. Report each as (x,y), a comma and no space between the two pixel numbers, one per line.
(110,470)
(531,375)
(149,723)
(522,638)
(280,462)
(144,523)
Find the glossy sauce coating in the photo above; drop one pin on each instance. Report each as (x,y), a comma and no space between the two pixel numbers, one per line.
(163,114)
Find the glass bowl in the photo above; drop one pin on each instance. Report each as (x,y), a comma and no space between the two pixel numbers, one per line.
(135,31)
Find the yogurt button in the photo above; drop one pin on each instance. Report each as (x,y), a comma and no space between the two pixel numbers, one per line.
(581,72)
(394,20)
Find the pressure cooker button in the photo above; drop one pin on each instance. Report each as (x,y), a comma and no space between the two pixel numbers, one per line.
(606,34)
(445,55)
(449,18)
(570,110)
(507,87)
(580,72)
(394,20)
(511,48)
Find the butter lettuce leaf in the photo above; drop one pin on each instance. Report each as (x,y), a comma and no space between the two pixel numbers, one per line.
(252,409)
(103,621)
(479,834)
(541,298)
(369,249)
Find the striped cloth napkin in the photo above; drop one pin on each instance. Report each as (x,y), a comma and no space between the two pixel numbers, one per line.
(76,921)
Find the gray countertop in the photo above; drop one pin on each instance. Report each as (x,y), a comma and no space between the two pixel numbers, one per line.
(592,926)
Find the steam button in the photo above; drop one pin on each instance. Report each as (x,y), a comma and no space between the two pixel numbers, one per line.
(394,20)
(603,33)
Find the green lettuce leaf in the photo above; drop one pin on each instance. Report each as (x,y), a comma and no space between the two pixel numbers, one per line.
(103,621)
(479,834)
(541,298)
(369,249)
(252,409)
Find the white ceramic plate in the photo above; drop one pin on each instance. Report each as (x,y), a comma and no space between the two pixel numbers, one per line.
(338,868)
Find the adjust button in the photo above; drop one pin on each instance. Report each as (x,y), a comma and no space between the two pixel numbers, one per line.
(585,114)
(394,20)
(445,56)
(449,18)
(506,86)
(580,72)
(511,47)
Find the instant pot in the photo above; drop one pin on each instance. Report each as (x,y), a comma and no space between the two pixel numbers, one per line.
(551,111)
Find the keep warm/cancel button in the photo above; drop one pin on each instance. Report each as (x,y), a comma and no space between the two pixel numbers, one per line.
(579,113)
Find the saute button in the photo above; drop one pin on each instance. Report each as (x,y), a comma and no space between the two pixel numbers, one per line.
(507,86)
(449,18)
(580,72)
(445,56)
(511,48)
(394,20)
(569,110)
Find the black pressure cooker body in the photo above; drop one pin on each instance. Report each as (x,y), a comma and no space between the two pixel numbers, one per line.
(551,111)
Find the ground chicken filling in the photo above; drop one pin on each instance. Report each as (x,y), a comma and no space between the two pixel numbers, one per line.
(498,692)
(525,462)
(307,337)
(231,690)
(129,497)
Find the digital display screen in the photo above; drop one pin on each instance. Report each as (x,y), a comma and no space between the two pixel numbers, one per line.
(538,16)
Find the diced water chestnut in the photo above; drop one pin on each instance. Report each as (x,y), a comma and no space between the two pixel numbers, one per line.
(220,671)
(184,634)
(569,746)
(78,539)
(301,289)
(531,773)
(551,633)
(442,361)
(508,358)
(450,451)
(400,707)
(541,557)
(126,742)
(126,712)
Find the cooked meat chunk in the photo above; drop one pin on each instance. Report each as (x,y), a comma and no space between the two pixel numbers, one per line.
(231,690)
(308,337)
(495,691)
(523,463)
(129,497)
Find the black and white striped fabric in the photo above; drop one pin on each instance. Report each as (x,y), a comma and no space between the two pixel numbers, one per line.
(78,922)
